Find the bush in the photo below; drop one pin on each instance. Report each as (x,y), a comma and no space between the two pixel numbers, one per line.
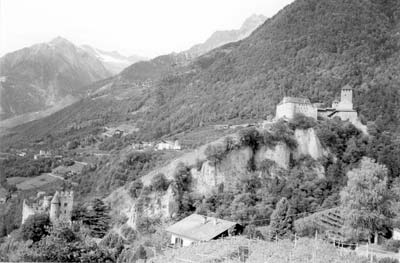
(136,188)
(159,182)
(300,121)
(392,245)
(283,133)
(250,137)
(215,153)
(35,227)
(388,260)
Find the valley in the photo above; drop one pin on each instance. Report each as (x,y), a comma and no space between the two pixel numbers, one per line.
(276,142)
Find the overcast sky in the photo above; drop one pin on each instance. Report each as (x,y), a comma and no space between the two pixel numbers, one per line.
(143,27)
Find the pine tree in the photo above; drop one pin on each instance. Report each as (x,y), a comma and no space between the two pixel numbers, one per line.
(281,221)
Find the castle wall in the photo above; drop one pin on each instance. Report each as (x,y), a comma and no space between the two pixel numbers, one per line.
(27,211)
(288,110)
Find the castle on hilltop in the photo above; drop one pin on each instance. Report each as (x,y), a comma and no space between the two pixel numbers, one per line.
(343,108)
(59,206)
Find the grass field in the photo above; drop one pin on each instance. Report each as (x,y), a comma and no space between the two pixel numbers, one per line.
(28,183)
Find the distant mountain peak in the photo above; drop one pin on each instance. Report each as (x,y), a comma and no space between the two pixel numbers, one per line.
(60,41)
(222,37)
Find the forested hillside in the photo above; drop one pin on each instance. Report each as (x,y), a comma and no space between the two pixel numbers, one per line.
(311,49)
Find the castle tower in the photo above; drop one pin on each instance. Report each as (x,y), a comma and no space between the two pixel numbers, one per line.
(55,207)
(66,205)
(346,98)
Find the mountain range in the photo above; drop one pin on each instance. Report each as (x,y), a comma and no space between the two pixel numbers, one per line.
(43,75)
(309,49)
(223,37)
(112,60)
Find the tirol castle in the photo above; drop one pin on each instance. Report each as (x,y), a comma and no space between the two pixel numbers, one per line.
(59,206)
(343,108)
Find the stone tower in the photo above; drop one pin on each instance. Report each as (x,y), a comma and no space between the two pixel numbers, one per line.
(61,206)
(55,207)
(346,98)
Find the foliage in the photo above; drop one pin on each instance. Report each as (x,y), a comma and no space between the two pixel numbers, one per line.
(281,220)
(366,198)
(135,188)
(392,245)
(26,166)
(35,227)
(300,121)
(55,248)
(96,217)
(282,132)
(159,182)
(215,153)
(250,137)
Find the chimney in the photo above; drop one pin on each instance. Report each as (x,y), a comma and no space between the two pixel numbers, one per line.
(215,221)
(205,219)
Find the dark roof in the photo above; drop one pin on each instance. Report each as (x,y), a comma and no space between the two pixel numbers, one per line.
(200,228)
(295,100)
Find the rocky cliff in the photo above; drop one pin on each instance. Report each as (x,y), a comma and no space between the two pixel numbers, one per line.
(208,177)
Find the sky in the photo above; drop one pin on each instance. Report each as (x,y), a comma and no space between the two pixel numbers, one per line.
(142,27)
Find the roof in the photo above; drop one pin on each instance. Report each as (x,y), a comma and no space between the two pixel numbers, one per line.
(56,198)
(295,100)
(195,228)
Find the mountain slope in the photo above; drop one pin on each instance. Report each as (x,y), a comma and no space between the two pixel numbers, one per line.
(39,76)
(223,37)
(112,60)
(310,49)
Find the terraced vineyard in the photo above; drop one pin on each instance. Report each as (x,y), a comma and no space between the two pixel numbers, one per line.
(233,250)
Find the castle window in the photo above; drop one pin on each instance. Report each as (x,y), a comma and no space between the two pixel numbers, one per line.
(65,204)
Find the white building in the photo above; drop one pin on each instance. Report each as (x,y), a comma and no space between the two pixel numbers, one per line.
(198,228)
(396,234)
(290,106)
(168,145)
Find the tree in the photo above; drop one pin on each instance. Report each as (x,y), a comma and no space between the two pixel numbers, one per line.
(35,227)
(281,221)
(159,182)
(366,198)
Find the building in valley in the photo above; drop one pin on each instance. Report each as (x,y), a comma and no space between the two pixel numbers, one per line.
(168,145)
(198,228)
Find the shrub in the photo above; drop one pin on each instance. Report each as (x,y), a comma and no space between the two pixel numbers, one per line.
(250,137)
(388,260)
(283,133)
(300,121)
(392,245)
(159,182)
(35,227)
(215,153)
(136,188)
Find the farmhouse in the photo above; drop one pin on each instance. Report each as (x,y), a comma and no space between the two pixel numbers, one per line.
(168,145)
(396,234)
(42,154)
(198,228)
